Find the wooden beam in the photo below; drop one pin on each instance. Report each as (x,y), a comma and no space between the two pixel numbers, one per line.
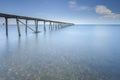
(44,27)
(56,26)
(26,26)
(18,27)
(36,26)
(50,26)
(6,24)
(53,26)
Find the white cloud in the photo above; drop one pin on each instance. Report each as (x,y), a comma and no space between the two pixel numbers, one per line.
(73,5)
(113,16)
(106,12)
(103,10)
(99,9)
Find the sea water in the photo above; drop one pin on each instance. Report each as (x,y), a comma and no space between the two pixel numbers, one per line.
(81,52)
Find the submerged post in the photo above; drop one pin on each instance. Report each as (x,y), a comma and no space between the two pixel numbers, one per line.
(26,26)
(18,26)
(36,25)
(56,26)
(44,26)
(53,25)
(50,26)
(6,24)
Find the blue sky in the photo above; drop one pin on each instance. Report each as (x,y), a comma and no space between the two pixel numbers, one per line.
(76,11)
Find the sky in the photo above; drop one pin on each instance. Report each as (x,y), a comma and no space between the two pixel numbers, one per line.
(75,11)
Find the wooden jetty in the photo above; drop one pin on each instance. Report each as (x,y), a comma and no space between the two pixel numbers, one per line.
(52,24)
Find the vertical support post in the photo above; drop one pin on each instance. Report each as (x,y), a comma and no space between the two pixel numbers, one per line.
(18,27)
(6,22)
(62,25)
(49,25)
(36,26)
(44,27)
(26,26)
(54,24)
(58,25)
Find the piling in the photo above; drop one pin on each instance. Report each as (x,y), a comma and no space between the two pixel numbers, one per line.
(50,26)
(36,25)
(44,26)
(18,27)
(6,24)
(26,26)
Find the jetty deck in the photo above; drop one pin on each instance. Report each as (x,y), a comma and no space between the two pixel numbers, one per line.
(52,23)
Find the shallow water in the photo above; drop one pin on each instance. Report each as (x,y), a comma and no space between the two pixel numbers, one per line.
(82,52)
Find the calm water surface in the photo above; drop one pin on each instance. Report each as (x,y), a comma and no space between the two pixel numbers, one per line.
(82,52)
